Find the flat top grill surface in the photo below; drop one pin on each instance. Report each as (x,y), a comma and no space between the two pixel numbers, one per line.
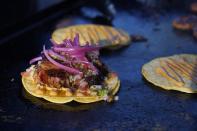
(140,105)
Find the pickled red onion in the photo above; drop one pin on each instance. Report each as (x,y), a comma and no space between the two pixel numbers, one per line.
(35,59)
(68,69)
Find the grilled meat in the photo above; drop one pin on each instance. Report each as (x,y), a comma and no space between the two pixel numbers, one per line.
(51,75)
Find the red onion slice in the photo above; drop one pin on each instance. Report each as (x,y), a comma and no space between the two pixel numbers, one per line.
(68,52)
(76,49)
(76,40)
(35,59)
(70,42)
(67,43)
(68,69)
(63,49)
(52,53)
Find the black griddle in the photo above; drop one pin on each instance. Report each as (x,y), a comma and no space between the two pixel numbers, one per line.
(141,105)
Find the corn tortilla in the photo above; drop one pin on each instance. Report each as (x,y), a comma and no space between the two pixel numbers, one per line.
(106,36)
(177,72)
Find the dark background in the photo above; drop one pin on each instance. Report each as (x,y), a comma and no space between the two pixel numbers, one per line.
(26,26)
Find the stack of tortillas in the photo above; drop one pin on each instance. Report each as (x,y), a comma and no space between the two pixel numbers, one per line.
(178,72)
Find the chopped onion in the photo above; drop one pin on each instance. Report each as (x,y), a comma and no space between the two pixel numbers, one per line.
(35,59)
(68,69)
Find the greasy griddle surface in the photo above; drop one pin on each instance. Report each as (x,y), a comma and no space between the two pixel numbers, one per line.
(140,105)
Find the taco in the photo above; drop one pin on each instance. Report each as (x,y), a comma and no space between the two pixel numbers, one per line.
(185,23)
(69,72)
(177,72)
(106,36)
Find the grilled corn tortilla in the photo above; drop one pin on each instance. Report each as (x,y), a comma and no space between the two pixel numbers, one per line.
(55,96)
(106,36)
(60,107)
(177,72)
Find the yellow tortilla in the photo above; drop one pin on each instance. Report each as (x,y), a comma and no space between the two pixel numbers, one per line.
(106,36)
(177,72)
(32,87)
(60,107)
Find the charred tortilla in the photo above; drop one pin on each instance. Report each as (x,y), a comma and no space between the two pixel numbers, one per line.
(178,72)
(106,36)
(70,72)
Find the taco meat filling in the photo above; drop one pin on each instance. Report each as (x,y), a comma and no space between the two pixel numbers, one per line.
(49,74)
